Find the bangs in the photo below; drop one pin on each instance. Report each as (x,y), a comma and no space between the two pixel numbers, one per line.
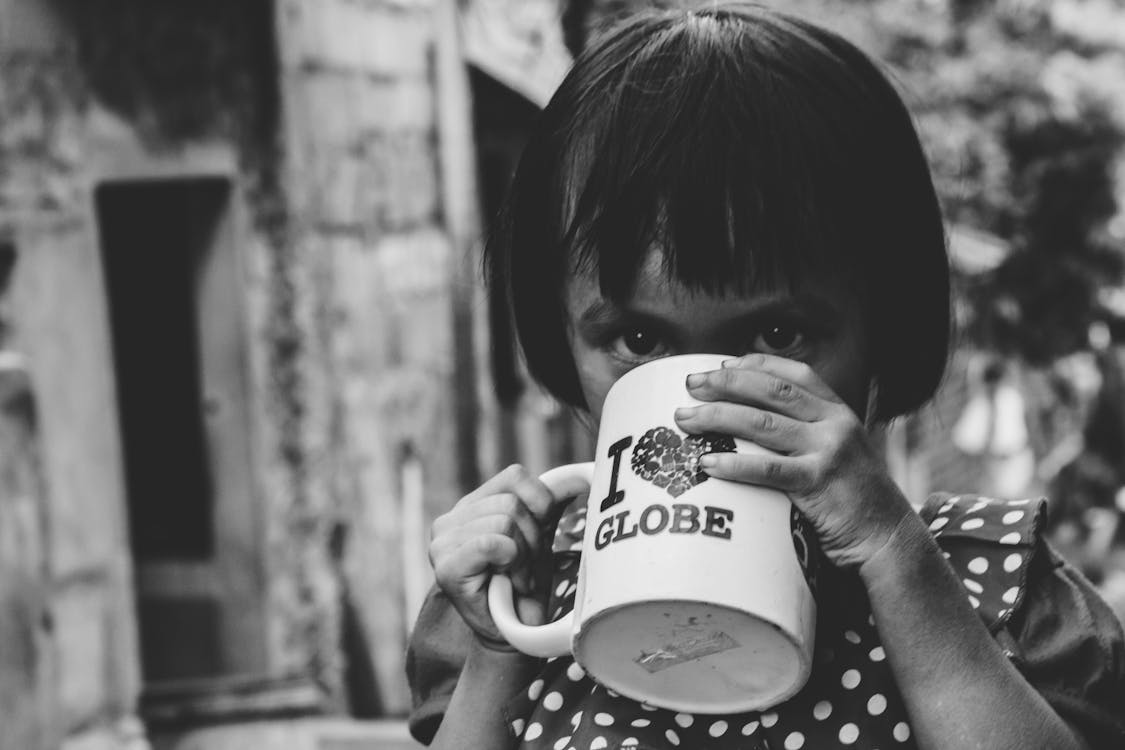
(735,169)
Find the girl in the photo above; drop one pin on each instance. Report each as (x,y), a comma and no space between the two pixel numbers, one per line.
(735,180)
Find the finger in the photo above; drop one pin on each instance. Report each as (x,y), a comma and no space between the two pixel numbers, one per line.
(506,504)
(785,473)
(790,369)
(519,567)
(757,388)
(517,480)
(476,556)
(537,497)
(761,427)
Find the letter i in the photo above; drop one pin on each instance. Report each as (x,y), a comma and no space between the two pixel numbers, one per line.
(615,495)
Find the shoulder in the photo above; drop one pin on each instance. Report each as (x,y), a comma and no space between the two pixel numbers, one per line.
(1049,618)
(990,544)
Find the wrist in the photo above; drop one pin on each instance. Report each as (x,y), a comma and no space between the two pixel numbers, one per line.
(907,543)
(486,650)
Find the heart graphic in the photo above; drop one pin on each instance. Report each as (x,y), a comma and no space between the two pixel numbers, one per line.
(671,462)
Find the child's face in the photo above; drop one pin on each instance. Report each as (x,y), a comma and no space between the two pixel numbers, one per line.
(820,324)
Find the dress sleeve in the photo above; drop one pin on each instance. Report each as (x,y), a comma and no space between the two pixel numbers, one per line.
(1069,645)
(434,658)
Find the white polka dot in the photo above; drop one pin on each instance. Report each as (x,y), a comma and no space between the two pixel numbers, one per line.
(978,565)
(685,720)
(579,525)
(672,737)
(876,705)
(974,601)
(646,707)
(769,719)
(576,719)
(972,523)
(534,729)
(822,710)
(561,742)
(750,728)
(1019,502)
(1012,562)
(1010,595)
(575,672)
(603,719)
(877,654)
(973,586)
(1013,538)
(553,701)
(850,679)
(938,523)
(612,694)
(629,742)
(795,741)
(640,722)
(572,588)
(576,547)
(598,743)
(852,636)
(901,732)
(718,729)
(978,505)
(946,555)
(561,588)
(566,563)
(534,689)
(1012,517)
(849,733)
(517,727)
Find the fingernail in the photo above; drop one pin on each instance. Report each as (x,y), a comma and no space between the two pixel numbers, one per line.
(732,362)
(695,380)
(707,461)
(685,412)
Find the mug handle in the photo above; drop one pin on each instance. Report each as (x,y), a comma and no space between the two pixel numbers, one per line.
(552,639)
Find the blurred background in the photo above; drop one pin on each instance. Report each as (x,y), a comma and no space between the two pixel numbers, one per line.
(245,357)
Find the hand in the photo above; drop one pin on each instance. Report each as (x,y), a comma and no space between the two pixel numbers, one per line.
(507,524)
(821,455)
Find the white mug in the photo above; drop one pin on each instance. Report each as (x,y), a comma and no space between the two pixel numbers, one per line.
(694,594)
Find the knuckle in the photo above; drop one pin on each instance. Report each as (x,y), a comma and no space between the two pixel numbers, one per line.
(782,390)
(775,471)
(443,573)
(516,472)
(509,504)
(767,422)
(757,360)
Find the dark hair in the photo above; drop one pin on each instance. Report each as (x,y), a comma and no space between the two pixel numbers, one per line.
(710,132)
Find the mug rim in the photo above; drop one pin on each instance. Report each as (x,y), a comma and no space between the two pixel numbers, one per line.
(649,367)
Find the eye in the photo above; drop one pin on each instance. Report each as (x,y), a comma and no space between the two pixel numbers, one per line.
(638,343)
(778,337)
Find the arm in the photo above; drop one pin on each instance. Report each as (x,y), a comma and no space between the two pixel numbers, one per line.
(946,663)
(475,717)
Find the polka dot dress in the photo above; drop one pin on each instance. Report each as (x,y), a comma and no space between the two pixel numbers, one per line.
(849,702)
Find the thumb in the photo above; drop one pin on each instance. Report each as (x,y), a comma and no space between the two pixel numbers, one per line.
(530,610)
